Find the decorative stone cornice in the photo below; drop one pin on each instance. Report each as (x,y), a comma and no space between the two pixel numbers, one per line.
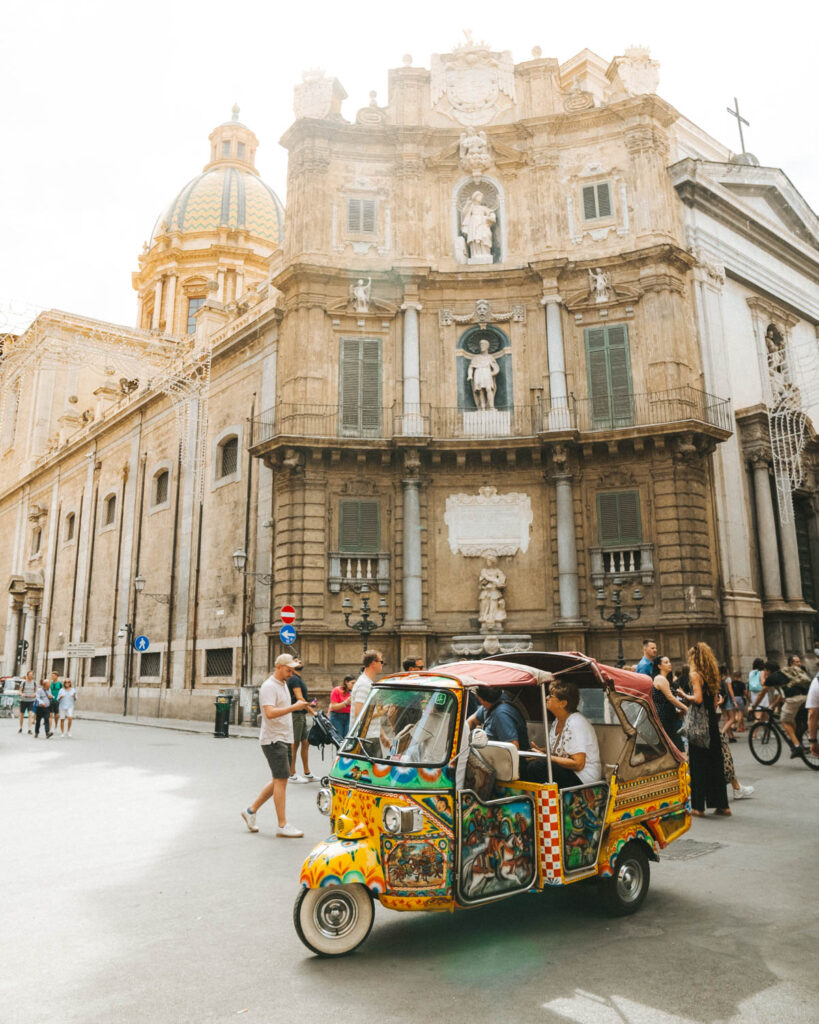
(483,313)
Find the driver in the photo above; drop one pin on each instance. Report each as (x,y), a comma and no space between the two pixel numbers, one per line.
(501,720)
(394,741)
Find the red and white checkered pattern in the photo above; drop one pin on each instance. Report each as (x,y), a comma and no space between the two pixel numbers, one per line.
(549,824)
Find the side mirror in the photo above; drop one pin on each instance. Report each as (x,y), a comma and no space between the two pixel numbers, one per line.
(478,739)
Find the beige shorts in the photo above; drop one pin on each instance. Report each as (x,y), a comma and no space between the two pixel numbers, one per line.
(790,708)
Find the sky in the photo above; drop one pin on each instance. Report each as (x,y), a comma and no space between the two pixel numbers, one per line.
(106,107)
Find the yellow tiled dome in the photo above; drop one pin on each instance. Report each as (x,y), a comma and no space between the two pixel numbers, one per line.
(225,196)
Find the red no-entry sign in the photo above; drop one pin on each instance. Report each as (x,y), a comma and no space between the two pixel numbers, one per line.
(288,614)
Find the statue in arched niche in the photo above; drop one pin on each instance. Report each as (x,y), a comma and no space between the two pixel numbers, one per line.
(483,369)
(476,225)
(478,230)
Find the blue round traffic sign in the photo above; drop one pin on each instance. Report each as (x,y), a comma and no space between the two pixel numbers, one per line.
(287,635)
(142,643)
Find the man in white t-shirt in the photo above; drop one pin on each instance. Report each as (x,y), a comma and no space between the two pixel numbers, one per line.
(812,705)
(276,740)
(373,663)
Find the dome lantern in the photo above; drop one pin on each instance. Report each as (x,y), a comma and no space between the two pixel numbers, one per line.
(233,143)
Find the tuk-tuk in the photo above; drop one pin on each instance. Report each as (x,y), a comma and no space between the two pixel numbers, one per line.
(427,814)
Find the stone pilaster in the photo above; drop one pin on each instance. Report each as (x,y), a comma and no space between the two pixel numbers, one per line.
(558,393)
(412,420)
(568,583)
(766,526)
(411,576)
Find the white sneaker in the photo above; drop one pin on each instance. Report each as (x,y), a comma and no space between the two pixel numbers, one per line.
(744,792)
(289,831)
(309,777)
(298,779)
(250,820)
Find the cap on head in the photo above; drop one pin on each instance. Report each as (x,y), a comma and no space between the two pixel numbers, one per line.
(287,660)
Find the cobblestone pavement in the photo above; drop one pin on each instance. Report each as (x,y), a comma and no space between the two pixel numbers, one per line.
(134,893)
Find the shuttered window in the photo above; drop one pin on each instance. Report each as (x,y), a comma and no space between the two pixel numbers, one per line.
(150,665)
(596,201)
(618,519)
(361,216)
(359,526)
(360,387)
(609,370)
(219,661)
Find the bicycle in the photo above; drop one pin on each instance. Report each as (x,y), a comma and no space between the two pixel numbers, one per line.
(765,739)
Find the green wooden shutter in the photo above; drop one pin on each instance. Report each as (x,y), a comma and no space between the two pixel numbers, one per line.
(619,374)
(603,200)
(598,367)
(589,204)
(618,519)
(359,526)
(360,386)
(609,373)
(354,215)
(368,216)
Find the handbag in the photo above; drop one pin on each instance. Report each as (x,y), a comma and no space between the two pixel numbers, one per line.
(697,726)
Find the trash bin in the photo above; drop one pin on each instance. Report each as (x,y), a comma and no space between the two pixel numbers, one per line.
(221,725)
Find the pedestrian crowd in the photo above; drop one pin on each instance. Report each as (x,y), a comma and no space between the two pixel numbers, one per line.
(46,703)
(704,707)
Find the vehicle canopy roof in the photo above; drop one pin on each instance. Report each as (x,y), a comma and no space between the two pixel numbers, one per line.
(533,668)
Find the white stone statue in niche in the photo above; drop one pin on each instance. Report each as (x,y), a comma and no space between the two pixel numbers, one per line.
(483,369)
(600,285)
(360,294)
(476,226)
(491,602)
(474,153)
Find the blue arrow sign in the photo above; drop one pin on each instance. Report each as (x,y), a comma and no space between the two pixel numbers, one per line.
(287,635)
(142,643)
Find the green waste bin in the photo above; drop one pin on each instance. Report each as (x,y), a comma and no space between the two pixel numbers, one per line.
(221,725)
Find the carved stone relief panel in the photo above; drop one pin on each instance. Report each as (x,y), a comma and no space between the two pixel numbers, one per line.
(488,524)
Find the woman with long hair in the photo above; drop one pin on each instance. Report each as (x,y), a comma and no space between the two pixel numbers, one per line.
(707,772)
(667,705)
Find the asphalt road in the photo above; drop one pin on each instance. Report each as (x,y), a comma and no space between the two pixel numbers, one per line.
(134,893)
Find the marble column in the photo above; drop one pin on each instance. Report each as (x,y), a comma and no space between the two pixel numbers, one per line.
(558,395)
(790,561)
(412,421)
(28,633)
(12,637)
(766,530)
(170,302)
(412,592)
(157,313)
(566,540)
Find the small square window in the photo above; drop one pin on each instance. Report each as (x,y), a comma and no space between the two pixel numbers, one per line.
(98,667)
(219,661)
(596,201)
(150,664)
(58,666)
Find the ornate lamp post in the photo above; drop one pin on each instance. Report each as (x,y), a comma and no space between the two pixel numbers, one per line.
(239,563)
(618,618)
(365,625)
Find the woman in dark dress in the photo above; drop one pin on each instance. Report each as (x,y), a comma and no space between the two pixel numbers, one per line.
(666,702)
(707,772)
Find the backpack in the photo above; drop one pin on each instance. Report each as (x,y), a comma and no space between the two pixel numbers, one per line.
(322,732)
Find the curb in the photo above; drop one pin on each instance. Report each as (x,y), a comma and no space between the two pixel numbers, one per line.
(175,727)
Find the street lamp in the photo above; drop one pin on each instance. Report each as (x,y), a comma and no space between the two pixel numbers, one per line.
(618,618)
(239,563)
(139,587)
(365,625)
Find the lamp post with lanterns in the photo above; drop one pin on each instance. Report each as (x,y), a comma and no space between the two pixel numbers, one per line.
(366,625)
(619,618)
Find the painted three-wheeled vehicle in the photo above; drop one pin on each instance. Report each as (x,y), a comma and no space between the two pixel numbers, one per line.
(428,816)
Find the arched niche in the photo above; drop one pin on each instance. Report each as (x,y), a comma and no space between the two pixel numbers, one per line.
(478,209)
(469,349)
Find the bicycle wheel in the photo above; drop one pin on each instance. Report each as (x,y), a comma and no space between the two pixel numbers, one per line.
(765,743)
(811,760)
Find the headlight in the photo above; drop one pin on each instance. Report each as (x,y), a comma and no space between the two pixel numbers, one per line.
(402,819)
(324,800)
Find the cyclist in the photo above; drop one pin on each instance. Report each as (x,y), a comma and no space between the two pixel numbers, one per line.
(812,705)
(795,693)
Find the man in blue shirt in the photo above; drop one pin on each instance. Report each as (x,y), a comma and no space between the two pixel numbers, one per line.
(501,720)
(646,663)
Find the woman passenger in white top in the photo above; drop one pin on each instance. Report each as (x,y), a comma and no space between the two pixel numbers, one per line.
(572,741)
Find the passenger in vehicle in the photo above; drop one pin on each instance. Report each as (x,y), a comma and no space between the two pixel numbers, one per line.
(572,741)
(501,720)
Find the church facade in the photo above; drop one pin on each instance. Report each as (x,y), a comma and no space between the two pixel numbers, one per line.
(465,379)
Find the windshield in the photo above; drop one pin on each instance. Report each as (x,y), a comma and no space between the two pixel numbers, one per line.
(398,724)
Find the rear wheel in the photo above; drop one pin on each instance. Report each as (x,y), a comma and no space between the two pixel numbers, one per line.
(334,920)
(623,893)
(765,744)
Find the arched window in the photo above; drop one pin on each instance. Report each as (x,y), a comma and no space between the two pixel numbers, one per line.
(228,457)
(161,485)
(70,526)
(109,510)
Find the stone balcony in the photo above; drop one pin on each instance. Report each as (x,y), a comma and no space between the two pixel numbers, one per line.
(348,571)
(675,411)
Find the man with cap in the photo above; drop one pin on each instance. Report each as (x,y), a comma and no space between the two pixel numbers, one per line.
(276,740)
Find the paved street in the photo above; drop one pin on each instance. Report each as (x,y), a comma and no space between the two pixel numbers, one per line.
(134,893)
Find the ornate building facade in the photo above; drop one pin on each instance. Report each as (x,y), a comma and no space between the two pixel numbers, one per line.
(471,381)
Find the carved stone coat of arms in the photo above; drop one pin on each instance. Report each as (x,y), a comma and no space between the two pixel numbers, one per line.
(472,84)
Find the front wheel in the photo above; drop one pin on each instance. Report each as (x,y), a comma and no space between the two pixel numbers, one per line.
(334,920)
(764,741)
(623,893)
(811,760)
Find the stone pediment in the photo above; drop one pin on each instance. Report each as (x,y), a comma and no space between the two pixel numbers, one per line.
(584,299)
(504,158)
(376,307)
(772,205)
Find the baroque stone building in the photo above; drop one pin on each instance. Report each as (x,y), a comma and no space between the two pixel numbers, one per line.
(473,375)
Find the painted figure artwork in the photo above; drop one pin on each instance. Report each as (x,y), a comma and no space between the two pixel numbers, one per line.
(498,852)
(410,866)
(583,813)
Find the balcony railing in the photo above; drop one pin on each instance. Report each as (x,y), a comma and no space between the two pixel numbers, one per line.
(631,562)
(350,571)
(683,405)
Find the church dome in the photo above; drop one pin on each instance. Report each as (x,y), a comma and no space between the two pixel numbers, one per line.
(228,193)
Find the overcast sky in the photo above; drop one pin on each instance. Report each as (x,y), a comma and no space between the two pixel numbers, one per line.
(106,107)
